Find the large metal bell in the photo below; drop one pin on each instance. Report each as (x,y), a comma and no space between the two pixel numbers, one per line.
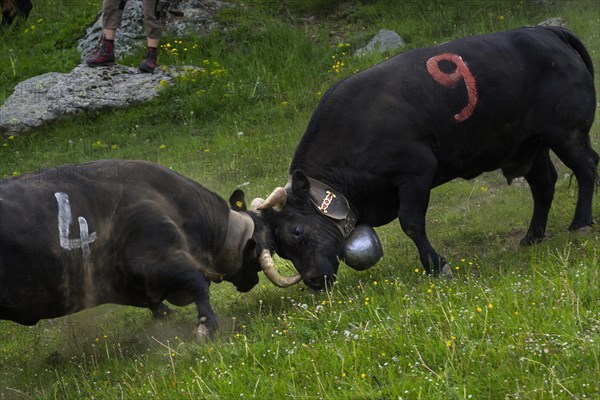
(362,249)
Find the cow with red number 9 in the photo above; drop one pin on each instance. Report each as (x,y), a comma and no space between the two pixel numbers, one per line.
(381,139)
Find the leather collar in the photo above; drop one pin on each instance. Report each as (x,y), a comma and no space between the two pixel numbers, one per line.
(239,230)
(333,205)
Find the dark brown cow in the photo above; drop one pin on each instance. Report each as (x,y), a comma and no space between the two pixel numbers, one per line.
(125,232)
(11,9)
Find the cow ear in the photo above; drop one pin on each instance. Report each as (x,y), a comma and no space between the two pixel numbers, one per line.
(300,184)
(237,200)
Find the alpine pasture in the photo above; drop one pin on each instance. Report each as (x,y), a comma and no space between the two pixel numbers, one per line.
(514,323)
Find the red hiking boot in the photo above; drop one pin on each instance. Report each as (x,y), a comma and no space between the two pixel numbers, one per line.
(148,64)
(104,55)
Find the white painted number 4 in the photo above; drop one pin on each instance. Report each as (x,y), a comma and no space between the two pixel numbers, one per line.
(64,226)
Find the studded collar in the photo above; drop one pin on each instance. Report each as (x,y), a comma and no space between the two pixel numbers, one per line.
(333,205)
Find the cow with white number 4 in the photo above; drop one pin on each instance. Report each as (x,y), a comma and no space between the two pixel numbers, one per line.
(125,232)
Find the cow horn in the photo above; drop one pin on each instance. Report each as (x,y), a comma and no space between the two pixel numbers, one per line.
(275,199)
(256,203)
(268,266)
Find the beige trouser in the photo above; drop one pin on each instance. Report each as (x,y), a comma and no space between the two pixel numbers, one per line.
(112,13)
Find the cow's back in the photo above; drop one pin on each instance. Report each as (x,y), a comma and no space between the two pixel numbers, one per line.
(102,189)
(520,85)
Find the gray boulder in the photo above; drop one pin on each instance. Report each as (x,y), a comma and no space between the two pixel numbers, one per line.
(385,40)
(183,17)
(556,21)
(47,97)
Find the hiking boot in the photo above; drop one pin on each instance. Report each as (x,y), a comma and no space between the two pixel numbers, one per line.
(104,55)
(148,64)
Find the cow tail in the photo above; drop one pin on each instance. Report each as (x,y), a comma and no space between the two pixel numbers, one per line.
(583,53)
(576,44)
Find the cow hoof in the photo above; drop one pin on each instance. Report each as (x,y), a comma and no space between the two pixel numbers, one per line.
(201,333)
(525,242)
(584,230)
(531,240)
(446,271)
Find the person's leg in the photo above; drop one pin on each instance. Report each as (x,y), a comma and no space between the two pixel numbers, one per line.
(112,14)
(153,32)
(109,34)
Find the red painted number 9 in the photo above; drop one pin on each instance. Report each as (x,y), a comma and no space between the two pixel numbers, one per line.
(445,79)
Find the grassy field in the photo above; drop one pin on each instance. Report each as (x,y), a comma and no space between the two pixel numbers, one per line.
(515,323)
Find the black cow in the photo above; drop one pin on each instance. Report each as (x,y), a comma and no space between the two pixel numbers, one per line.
(381,139)
(125,232)
(11,9)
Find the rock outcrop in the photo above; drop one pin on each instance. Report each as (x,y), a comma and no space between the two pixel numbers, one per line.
(385,40)
(47,97)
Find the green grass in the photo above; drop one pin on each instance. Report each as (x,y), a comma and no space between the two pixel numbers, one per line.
(514,323)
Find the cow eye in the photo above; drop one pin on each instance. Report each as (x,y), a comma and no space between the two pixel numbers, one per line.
(297,231)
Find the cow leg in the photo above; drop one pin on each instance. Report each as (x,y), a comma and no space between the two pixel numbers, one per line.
(579,156)
(7,19)
(188,279)
(207,321)
(24,8)
(541,179)
(414,199)
(175,275)
(7,14)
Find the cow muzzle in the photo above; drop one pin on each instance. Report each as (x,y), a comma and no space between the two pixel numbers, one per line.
(362,248)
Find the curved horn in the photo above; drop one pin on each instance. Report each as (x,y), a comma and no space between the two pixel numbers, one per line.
(256,203)
(277,198)
(268,266)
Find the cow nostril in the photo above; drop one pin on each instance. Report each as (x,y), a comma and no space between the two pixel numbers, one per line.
(314,282)
(319,282)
